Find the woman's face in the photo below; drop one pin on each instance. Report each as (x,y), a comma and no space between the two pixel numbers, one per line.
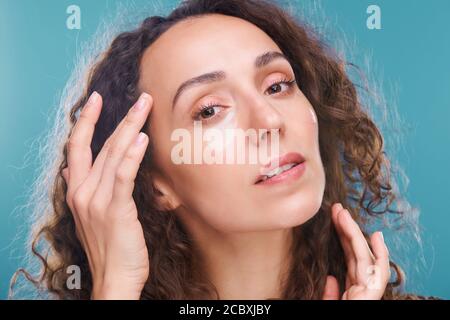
(241,98)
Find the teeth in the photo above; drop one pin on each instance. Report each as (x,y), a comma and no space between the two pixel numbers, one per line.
(278,170)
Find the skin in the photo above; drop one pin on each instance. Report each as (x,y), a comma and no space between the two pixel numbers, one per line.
(243,231)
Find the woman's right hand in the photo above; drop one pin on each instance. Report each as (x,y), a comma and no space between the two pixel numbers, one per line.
(99,196)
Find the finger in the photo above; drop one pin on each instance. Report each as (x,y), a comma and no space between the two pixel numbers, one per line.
(92,181)
(381,271)
(361,251)
(379,247)
(89,185)
(128,169)
(78,229)
(346,245)
(335,210)
(79,155)
(331,291)
(134,121)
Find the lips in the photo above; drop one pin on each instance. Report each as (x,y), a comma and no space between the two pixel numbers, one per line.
(279,166)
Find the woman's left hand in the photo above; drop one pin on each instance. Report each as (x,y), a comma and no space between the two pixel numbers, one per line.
(367,273)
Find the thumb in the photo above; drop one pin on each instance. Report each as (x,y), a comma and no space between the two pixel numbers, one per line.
(331,291)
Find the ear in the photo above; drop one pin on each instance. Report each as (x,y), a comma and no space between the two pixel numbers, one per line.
(166,198)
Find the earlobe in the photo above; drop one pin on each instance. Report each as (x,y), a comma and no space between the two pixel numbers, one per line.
(165,196)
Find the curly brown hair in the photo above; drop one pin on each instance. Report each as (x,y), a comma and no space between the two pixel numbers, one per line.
(351,146)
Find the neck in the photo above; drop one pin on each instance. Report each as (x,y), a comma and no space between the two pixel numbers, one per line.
(243,266)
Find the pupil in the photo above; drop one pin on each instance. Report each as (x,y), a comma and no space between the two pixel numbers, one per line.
(208,112)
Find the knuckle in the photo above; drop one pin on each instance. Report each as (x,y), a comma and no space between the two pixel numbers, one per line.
(123,175)
(65,175)
(113,150)
(107,143)
(107,146)
(130,155)
(84,115)
(80,201)
(96,205)
(72,144)
(129,121)
(69,197)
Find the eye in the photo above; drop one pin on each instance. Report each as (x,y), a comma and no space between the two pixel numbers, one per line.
(278,84)
(207,112)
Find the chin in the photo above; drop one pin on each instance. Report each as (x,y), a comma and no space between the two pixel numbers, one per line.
(296,212)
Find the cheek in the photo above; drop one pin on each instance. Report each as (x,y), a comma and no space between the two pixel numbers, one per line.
(303,113)
(302,129)
(215,193)
(312,115)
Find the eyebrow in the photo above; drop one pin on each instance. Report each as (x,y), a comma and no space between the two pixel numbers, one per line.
(214,76)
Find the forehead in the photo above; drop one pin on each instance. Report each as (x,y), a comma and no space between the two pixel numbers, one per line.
(200,45)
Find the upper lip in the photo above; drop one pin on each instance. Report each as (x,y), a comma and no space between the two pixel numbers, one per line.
(291,157)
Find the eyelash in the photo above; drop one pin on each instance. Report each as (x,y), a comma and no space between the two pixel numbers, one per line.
(289,82)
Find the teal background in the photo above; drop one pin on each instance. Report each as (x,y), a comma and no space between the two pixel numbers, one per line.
(411,51)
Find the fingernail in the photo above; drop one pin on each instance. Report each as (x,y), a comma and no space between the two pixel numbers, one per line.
(381,235)
(141,138)
(142,102)
(93,98)
(339,206)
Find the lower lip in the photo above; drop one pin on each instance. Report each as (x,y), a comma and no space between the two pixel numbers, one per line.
(290,175)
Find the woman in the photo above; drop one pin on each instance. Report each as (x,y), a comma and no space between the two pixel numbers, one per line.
(141,226)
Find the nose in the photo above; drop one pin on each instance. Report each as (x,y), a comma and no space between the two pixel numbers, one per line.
(265,119)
